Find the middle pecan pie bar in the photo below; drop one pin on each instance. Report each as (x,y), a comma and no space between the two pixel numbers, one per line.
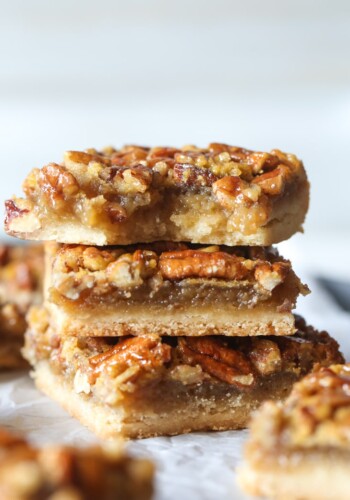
(150,385)
(170,289)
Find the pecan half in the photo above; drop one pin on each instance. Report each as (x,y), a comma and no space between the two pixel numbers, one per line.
(217,359)
(149,353)
(189,175)
(188,263)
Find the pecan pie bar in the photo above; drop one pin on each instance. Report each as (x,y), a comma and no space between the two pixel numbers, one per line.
(67,473)
(150,385)
(301,449)
(219,195)
(21,269)
(170,289)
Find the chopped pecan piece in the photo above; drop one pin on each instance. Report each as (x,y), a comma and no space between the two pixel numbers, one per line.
(262,162)
(217,359)
(273,183)
(131,269)
(269,276)
(162,153)
(116,212)
(131,155)
(189,175)
(13,211)
(265,356)
(187,263)
(217,148)
(57,184)
(231,191)
(85,158)
(95,259)
(136,179)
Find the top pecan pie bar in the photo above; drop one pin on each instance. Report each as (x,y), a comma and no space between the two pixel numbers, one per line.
(220,194)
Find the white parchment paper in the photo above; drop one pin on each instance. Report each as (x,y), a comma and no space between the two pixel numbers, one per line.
(194,466)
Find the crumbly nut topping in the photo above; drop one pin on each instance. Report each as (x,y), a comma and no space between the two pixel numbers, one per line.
(318,410)
(316,414)
(27,472)
(240,362)
(78,270)
(106,187)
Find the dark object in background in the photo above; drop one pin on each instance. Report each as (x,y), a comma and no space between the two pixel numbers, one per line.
(339,290)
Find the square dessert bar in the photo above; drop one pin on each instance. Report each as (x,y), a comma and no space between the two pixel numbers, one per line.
(21,270)
(221,195)
(301,449)
(170,289)
(149,385)
(68,473)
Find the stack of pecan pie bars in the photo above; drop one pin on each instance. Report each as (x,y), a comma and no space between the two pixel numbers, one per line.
(166,310)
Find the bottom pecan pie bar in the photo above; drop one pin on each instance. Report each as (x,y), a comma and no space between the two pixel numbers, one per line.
(301,449)
(67,473)
(21,269)
(150,385)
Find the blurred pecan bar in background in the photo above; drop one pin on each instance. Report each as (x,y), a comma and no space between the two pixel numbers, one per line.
(150,385)
(218,195)
(67,473)
(21,270)
(301,449)
(170,289)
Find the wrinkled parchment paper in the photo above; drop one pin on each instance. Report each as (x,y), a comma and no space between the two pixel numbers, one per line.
(190,467)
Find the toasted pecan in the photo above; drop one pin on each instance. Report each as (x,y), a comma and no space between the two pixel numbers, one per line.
(265,356)
(273,183)
(189,175)
(183,264)
(85,158)
(57,184)
(128,180)
(270,275)
(222,362)
(149,353)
